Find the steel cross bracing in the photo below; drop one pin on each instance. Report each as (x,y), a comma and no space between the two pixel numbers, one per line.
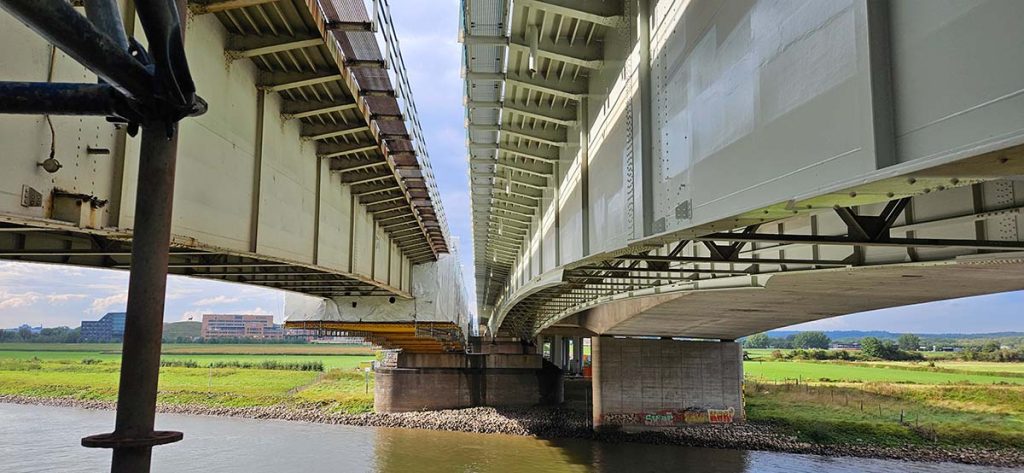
(727,254)
(313,54)
(526,73)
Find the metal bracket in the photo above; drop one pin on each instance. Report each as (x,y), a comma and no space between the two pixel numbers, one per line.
(872,227)
(731,251)
(116,440)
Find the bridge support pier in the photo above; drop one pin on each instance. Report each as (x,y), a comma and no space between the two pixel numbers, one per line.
(644,384)
(433,381)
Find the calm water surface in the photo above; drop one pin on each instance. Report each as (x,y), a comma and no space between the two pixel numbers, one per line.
(46,439)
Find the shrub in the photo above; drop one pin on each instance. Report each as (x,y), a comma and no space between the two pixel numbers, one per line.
(886,350)
(271,365)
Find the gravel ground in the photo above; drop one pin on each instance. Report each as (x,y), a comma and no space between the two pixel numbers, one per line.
(565,423)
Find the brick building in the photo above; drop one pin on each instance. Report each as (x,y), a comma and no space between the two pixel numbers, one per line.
(240,326)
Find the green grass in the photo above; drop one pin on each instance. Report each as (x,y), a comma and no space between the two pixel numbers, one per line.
(339,390)
(200,348)
(864,372)
(946,415)
(329,361)
(952,403)
(1003,369)
(93,375)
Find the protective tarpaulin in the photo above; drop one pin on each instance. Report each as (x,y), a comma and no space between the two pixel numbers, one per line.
(438,296)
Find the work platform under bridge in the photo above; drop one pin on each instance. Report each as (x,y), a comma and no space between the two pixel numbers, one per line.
(435,320)
(712,169)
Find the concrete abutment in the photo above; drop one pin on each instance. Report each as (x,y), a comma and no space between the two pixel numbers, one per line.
(649,384)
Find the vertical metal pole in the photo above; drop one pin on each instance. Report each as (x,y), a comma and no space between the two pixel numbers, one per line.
(140,359)
(133,438)
(597,402)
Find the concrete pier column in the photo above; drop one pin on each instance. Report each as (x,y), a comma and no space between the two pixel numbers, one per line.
(577,355)
(557,351)
(649,384)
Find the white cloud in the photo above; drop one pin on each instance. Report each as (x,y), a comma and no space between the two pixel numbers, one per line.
(58,298)
(10,301)
(180,292)
(218,300)
(104,304)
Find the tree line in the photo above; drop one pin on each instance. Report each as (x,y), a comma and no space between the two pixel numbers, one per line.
(812,345)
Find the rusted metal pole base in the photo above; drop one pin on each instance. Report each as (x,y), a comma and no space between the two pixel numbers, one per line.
(133,437)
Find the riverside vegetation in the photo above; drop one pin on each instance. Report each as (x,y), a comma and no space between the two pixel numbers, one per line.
(937,409)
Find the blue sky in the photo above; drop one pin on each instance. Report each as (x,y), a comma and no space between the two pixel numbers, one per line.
(60,295)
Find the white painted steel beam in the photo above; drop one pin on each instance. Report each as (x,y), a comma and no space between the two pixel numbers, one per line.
(323,132)
(572,9)
(360,167)
(246,49)
(552,87)
(216,6)
(548,114)
(332,150)
(561,52)
(279,82)
(297,110)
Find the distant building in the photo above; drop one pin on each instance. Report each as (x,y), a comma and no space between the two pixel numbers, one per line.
(844,346)
(109,328)
(240,326)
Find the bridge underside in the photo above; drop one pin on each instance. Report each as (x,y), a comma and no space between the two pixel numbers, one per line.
(673,149)
(797,297)
(846,251)
(55,243)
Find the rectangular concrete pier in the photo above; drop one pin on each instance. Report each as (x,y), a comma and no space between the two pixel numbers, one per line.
(644,384)
(417,382)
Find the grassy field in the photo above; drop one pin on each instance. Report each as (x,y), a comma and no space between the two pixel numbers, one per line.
(890,403)
(200,348)
(861,372)
(90,371)
(1000,369)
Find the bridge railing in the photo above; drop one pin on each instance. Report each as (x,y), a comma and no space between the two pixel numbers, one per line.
(383,26)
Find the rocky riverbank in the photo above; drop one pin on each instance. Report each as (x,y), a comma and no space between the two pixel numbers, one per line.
(565,423)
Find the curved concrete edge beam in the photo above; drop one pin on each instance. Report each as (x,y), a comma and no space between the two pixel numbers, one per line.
(544,281)
(799,297)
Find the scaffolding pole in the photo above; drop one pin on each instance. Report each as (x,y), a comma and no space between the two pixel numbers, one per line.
(149,89)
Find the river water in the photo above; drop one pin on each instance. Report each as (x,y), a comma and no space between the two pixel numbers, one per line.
(46,439)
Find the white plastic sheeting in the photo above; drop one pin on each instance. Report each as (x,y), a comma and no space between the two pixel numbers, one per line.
(438,296)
